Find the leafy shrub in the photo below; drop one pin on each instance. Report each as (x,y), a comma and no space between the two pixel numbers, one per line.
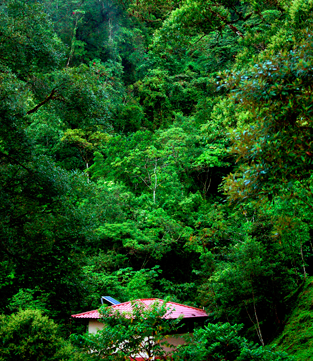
(28,335)
(222,342)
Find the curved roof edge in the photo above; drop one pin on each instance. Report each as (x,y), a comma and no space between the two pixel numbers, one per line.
(176,309)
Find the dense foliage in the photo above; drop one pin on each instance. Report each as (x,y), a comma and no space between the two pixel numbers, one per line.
(156,149)
(28,335)
(145,330)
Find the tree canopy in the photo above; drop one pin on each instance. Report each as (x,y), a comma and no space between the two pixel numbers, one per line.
(157,149)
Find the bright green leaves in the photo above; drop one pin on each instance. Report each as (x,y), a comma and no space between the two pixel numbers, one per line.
(155,162)
(300,11)
(153,95)
(86,142)
(212,157)
(223,342)
(29,299)
(152,233)
(125,283)
(30,335)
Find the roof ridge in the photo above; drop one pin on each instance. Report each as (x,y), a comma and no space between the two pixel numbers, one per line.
(176,303)
(159,299)
(180,304)
(86,312)
(139,299)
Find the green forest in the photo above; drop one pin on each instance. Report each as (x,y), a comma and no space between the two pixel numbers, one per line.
(157,149)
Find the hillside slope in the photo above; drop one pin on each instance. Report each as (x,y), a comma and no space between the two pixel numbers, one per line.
(297,336)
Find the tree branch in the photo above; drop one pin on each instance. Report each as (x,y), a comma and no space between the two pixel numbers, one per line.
(229,23)
(16,161)
(48,98)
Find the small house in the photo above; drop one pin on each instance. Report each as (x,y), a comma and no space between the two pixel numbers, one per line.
(191,316)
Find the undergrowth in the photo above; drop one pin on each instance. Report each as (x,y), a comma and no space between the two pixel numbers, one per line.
(297,335)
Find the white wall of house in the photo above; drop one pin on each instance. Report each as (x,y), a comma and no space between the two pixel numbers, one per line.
(94,326)
(175,340)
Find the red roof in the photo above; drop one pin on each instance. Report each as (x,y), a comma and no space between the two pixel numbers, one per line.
(176,310)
